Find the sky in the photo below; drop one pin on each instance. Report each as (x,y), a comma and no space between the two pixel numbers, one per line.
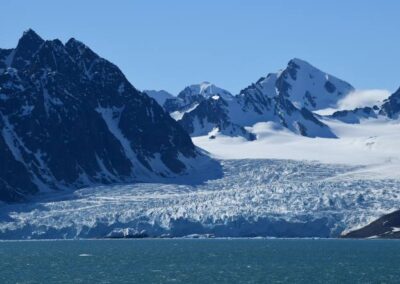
(168,45)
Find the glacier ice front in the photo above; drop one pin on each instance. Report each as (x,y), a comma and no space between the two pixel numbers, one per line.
(270,198)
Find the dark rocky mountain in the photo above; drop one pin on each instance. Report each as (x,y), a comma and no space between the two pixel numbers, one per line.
(391,106)
(390,109)
(356,115)
(386,227)
(70,118)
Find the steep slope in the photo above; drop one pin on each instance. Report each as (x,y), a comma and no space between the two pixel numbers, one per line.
(252,106)
(391,106)
(70,118)
(305,86)
(160,96)
(211,117)
(386,227)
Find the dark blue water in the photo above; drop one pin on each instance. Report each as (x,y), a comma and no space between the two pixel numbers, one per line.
(201,261)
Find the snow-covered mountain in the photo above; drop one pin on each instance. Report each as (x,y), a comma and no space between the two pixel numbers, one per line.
(230,117)
(304,85)
(192,95)
(205,89)
(70,118)
(160,96)
(212,117)
(286,99)
(252,106)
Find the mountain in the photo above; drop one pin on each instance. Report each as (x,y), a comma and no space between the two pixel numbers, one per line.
(192,95)
(211,116)
(160,96)
(202,109)
(390,109)
(304,85)
(70,118)
(285,98)
(356,115)
(252,106)
(204,89)
(386,227)
(391,106)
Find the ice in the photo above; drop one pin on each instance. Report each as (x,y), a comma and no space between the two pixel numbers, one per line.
(255,197)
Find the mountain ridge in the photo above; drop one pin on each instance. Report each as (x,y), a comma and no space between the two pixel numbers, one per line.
(70,118)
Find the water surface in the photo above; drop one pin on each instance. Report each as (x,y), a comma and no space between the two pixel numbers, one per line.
(201,261)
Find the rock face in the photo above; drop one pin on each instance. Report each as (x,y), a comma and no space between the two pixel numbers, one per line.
(356,115)
(391,106)
(70,118)
(386,227)
(390,109)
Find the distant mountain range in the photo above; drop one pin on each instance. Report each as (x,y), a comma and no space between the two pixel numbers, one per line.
(287,99)
(70,118)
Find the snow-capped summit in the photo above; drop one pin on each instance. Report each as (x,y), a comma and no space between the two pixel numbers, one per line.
(191,96)
(205,89)
(304,85)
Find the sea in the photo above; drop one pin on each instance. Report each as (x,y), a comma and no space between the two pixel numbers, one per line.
(200,261)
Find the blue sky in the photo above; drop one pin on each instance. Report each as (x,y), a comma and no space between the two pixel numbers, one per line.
(167,45)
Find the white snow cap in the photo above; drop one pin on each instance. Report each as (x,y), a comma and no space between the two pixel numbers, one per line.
(209,90)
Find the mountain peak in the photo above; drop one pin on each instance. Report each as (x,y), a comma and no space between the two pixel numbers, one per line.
(77,49)
(28,44)
(30,38)
(72,42)
(298,61)
(31,34)
(205,89)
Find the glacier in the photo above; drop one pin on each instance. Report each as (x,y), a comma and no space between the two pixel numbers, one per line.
(281,185)
(254,197)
